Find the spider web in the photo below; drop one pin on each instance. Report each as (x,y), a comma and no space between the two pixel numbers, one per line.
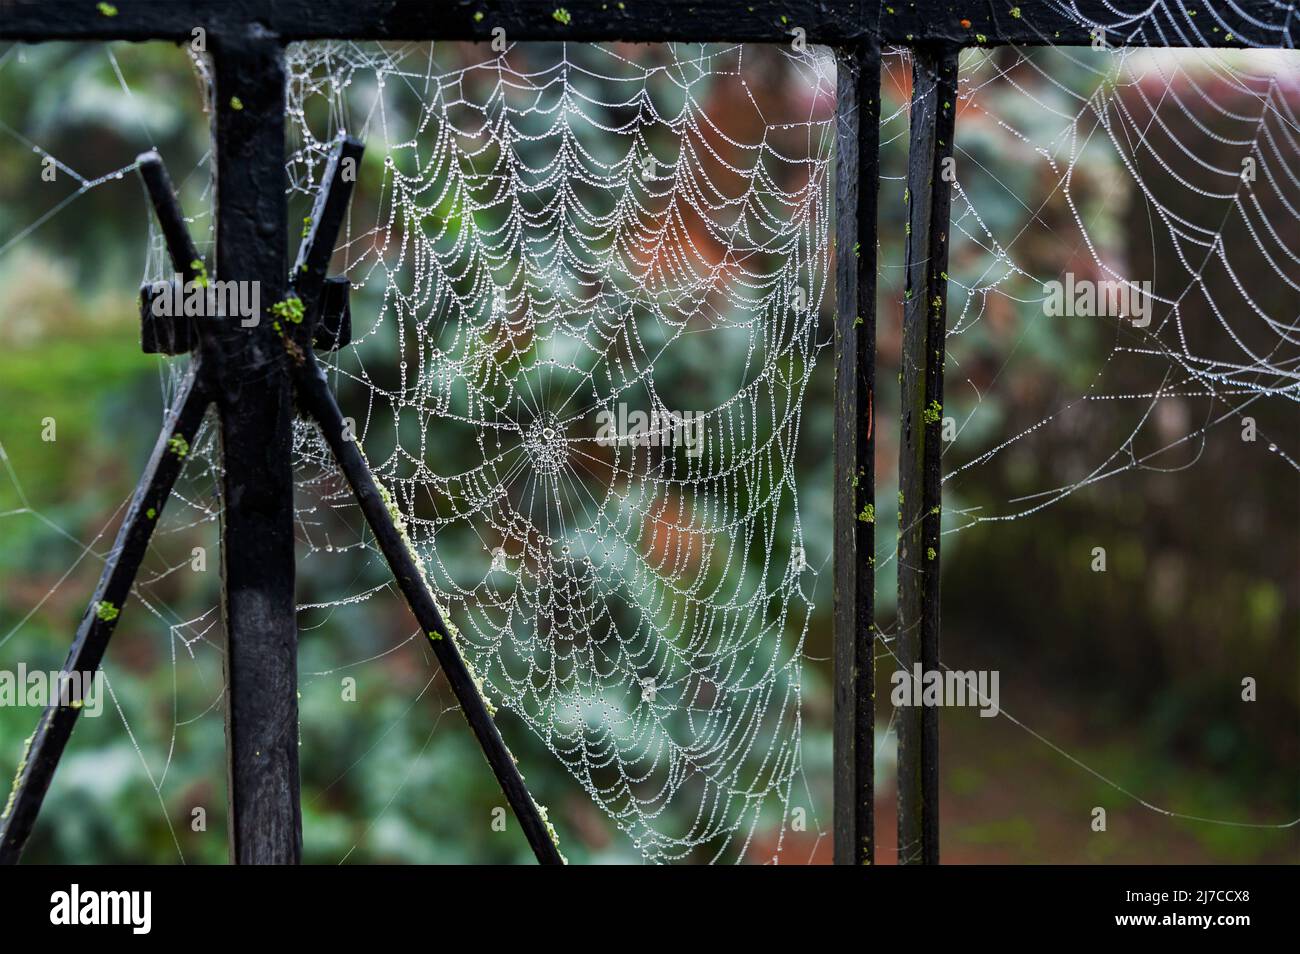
(602,299)
(1125,124)
(1204,145)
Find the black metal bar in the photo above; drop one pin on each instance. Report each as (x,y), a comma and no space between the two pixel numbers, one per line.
(334,329)
(244,367)
(1262,23)
(175,333)
(584,20)
(169,334)
(316,398)
(857,130)
(327,214)
(52,732)
(180,247)
(929,195)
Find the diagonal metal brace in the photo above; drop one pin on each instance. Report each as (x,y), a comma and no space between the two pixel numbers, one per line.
(46,745)
(315,396)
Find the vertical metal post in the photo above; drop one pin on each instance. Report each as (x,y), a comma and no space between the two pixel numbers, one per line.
(934,103)
(251,389)
(857,125)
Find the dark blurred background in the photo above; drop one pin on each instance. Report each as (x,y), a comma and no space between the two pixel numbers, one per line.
(1129,679)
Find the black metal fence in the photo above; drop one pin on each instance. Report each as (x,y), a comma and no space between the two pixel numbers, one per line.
(252,376)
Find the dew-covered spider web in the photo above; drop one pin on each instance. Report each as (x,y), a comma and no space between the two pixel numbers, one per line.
(1172,175)
(589,291)
(1206,147)
(601,294)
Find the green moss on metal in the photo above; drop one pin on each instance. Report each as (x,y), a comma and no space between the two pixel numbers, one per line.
(291,310)
(18,775)
(481,685)
(550,828)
